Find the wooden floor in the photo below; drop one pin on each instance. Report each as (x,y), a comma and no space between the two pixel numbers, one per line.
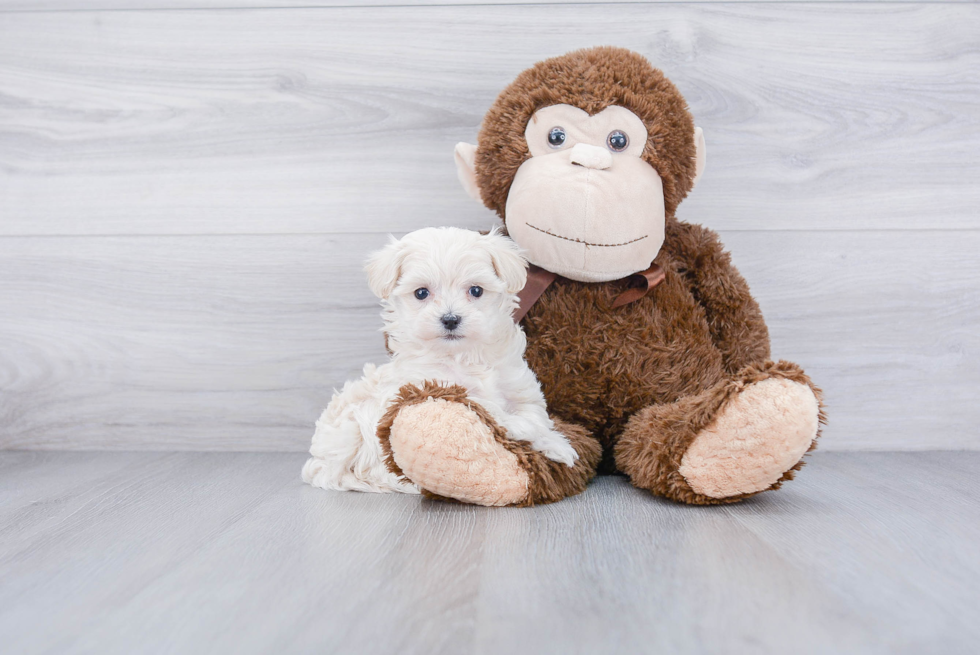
(223,552)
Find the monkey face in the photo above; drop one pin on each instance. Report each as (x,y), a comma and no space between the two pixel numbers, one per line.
(585,205)
(586,156)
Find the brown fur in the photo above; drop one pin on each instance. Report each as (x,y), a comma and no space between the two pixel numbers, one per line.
(642,379)
(548,481)
(598,365)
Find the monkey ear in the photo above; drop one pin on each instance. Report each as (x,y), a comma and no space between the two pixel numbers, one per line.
(465,157)
(384,267)
(700,156)
(508,262)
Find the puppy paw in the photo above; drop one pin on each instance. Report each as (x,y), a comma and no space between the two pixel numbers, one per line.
(557,449)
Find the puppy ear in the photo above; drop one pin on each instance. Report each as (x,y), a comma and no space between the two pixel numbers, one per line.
(508,262)
(384,268)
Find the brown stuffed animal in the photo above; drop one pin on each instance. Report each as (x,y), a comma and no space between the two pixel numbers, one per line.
(652,353)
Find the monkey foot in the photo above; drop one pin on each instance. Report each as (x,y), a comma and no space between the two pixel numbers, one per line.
(451,449)
(759,436)
(746,435)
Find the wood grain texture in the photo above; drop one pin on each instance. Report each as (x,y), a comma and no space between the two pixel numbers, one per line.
(211,343)
(205,343)
(818,115)
(204,553)
(153,5)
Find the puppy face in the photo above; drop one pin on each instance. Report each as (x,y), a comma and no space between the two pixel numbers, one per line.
(447,289)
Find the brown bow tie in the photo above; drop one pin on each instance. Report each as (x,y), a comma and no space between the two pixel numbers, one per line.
(539,279)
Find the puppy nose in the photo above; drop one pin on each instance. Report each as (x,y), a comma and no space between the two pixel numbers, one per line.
(590,156)
(451,321)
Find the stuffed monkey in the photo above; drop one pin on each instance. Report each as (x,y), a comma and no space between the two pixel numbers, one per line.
(652,354)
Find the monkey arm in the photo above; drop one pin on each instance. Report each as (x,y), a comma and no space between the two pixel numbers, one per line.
(734,318)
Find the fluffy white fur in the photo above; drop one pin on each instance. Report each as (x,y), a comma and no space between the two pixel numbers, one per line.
(484,354)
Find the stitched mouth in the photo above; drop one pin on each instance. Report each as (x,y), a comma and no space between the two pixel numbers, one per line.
(597,245)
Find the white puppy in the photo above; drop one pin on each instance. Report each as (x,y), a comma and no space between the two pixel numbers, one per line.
(448,296)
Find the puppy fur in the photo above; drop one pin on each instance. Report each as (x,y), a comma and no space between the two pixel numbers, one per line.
(484,353)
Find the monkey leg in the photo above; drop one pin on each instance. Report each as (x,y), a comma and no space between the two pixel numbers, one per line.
(745,435)
(452,448)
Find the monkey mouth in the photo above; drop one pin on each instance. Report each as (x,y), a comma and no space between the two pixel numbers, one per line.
(586,243)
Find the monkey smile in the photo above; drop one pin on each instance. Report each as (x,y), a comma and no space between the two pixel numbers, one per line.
(586,243)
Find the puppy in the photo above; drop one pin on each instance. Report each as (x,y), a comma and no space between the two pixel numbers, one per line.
(448,296)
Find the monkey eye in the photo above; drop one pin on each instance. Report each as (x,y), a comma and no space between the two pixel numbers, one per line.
(617,140)
(476,292)
(556,137)
(422,293)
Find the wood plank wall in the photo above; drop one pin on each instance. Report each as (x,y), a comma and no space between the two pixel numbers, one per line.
(188,189)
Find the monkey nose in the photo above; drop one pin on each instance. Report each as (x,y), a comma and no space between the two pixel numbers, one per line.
(589,156)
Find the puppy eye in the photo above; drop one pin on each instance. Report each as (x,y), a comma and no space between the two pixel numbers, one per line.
(617,140)
(422,293)
(556,137)
(476,292)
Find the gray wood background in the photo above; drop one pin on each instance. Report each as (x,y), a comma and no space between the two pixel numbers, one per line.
(186,197)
